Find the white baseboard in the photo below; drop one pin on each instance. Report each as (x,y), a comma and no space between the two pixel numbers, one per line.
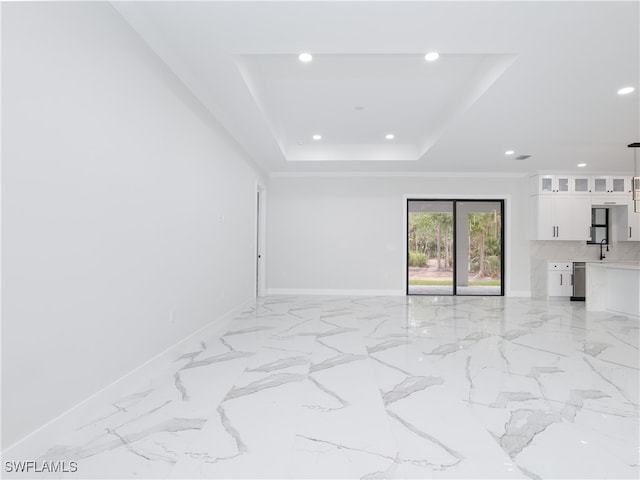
(347,292)
(363,293)
(44,437)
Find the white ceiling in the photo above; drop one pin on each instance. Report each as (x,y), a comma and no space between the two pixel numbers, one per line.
(539,78)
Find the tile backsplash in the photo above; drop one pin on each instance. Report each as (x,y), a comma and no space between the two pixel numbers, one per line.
(543,251)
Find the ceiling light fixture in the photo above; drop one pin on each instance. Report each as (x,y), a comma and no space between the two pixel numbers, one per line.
(305,57)
(431,56)
(317,137)
(625,90)
(509,152)
(582,165)
(390,136)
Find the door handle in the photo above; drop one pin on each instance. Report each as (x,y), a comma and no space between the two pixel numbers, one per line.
(572,279)
(560,279)
(629,232)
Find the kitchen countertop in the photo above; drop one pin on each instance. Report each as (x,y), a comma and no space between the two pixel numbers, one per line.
(621,265)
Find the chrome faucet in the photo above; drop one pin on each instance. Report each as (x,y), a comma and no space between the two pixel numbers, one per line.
(602,256)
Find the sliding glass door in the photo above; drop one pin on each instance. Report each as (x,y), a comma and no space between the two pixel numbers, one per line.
(430,248)
(478,248)
(455,247)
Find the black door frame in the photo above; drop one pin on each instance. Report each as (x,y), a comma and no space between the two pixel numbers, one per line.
(454,202)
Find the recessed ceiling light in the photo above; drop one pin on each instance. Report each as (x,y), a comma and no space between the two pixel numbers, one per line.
(305,57)
(317,137)
(625,90)
(390,136)
(509,152)
(582,164)
(431,56)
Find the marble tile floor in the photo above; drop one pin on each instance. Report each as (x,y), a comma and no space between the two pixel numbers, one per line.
(380,387)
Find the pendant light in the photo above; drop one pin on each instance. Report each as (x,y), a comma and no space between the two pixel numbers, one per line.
(635,181)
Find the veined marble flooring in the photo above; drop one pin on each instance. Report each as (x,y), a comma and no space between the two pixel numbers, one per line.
(380,387)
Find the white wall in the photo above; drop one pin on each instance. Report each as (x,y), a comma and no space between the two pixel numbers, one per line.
(347,233)
(113,181)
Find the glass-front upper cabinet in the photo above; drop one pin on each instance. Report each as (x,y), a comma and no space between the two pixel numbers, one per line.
(611,184)
(620,184)
(550,184)
(582,184)
(598,184)
(564,184)
(601,184)
(546,184)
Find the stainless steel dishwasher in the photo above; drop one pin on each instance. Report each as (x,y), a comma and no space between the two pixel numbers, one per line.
(579,281)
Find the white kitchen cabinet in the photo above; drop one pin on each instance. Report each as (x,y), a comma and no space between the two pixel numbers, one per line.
(618,206)
(561,206)
(548,211)
(561,217)
(559,279)
(611,184)
(581,217)
(582,184)
(600,184)
(632,232)
(610,200)
(626,222)
(545,184)
(620,184)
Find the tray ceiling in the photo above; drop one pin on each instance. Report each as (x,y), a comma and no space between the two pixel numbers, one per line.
(538,78)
